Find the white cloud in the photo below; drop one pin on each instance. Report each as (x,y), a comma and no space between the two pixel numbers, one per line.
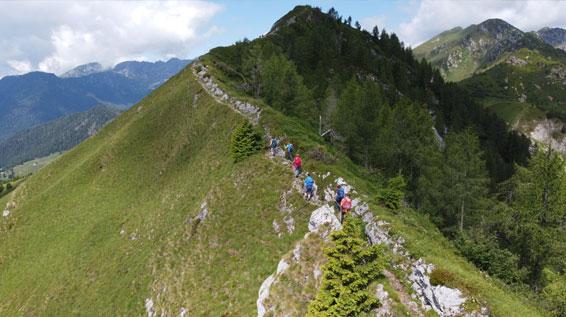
(20,67)
(434,16)
(56,36)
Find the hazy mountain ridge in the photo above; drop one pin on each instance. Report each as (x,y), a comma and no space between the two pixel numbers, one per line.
(554,36)
(58,135)
(35,98)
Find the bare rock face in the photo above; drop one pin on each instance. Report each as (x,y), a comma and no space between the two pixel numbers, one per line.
(548,131)
(443,300)
(323,219)
(246,109)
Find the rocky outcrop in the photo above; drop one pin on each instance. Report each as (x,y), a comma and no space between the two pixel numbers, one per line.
(549,131)
(298,274)
(244,108)
(443,300)
(324,221)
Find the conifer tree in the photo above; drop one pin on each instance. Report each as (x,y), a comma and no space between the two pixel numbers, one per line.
(352,265)
(539,201)
(245,141)
(456,181)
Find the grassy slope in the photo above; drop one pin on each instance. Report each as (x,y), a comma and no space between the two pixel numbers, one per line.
(423,238)
(35,165)
(145,174)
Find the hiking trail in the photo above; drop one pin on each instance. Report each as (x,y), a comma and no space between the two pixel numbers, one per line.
(444,301)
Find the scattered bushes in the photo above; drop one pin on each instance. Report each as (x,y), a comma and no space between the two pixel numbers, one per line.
(554,293)
(352,265)
(392,196)
(441,276)
(245,141)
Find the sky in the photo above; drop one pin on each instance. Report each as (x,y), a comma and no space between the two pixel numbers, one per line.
(56,36)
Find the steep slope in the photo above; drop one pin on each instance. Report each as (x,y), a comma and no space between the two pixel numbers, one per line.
(35,98)
(553,36)
(151,215)
(56,136)
(526,89)
(113,222)
(459,53)
(515,74)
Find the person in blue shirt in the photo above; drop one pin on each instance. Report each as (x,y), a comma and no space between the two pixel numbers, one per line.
(289,148)
(339,196)
(309,187)
(274,144)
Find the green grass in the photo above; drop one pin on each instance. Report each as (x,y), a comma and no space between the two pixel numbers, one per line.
(35,165)
(111,222)
(423,238)
(105,226)
(514,112)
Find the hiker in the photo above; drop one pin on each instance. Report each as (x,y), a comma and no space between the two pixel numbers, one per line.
(339,196)
(297,165)
(345,206)
(309,187)
(274,144)
(289,148)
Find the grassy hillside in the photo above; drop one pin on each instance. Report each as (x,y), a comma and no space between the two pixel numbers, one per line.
(96,230)
(423,238)
(153,212)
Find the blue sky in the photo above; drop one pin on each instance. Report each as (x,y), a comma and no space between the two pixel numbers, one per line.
(71,33)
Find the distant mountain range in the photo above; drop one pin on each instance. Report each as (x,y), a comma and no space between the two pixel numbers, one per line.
(553,36)
(521,76)
(55,136)
(35,98)
(459,53)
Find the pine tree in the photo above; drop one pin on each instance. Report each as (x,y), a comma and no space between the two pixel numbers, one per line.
(352,265)
(456,181)
(539,201)
(375,33)
(245,141)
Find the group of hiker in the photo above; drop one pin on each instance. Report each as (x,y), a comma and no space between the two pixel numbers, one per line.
(343,201)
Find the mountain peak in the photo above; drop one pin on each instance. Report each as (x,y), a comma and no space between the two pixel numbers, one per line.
(498,28)
(305,12)
(553,36)
(83,70)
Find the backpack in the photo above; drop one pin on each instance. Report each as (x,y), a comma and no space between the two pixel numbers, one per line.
(340,194)
(346,203)
(289,147)
(274,143)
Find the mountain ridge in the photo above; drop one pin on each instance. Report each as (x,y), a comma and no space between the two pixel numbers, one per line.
(153,215)
(37,97)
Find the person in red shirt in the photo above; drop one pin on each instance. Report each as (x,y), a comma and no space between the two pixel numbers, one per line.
(297,165)
(345,206)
